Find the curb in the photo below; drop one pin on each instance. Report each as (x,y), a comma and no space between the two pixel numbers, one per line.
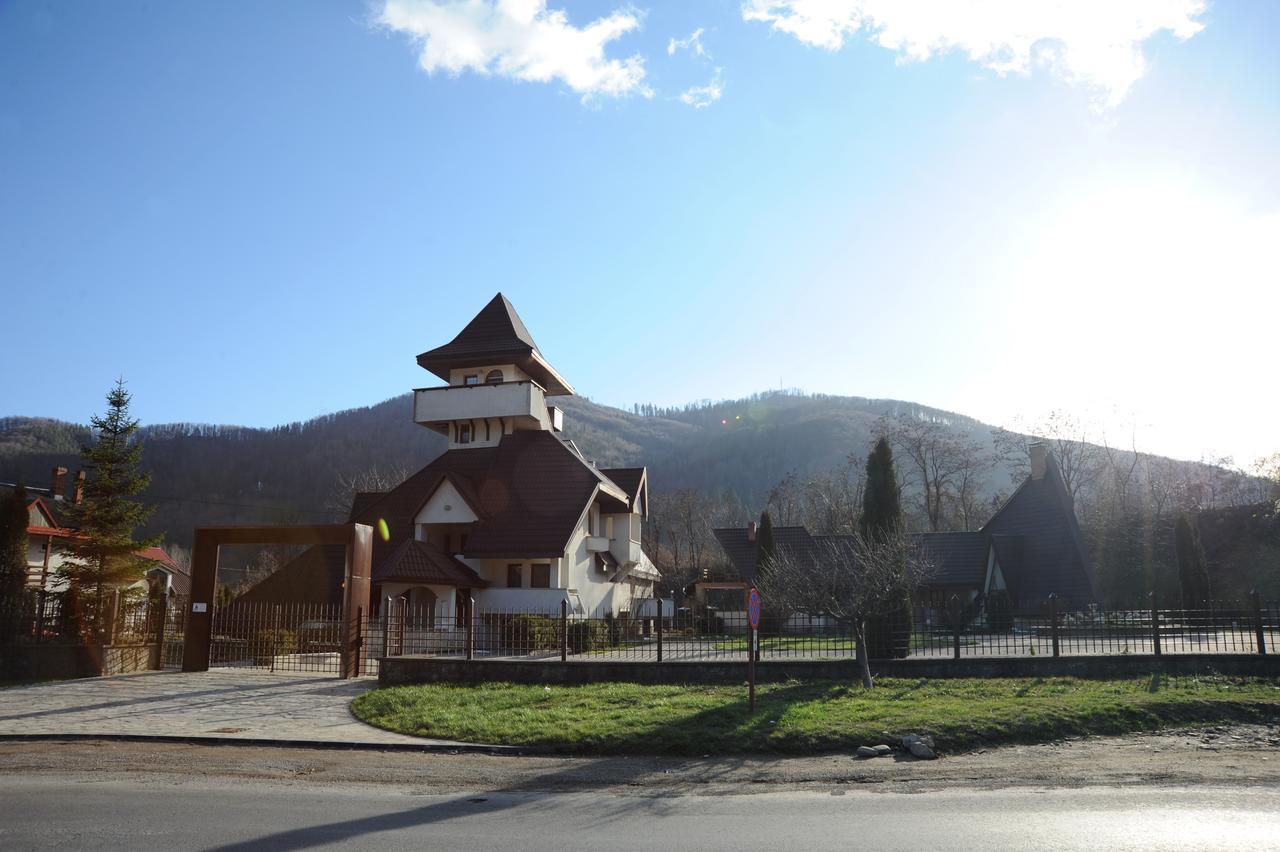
(196,739)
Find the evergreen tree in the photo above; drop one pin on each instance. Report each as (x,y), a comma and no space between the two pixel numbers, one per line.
(13,556)
(888,633)
(1193,572)
(103,556)
(765,547)
(882,500)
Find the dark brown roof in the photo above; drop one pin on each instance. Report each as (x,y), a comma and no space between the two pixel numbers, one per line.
(495,335)
(315,577)
(362,501)
(419,562)
(529,493)
(629,479)
(959,558)
(742,553)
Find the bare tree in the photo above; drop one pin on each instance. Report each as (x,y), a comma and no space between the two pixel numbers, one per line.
(373,478)
(944,463)
(832,501)
(1080,460)
(851,578)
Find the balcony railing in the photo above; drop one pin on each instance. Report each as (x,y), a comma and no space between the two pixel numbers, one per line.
(474,402)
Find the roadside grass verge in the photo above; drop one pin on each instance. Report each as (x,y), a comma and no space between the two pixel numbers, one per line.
(812,716)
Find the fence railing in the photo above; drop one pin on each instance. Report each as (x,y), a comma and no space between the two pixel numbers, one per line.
(107,619)
(1244,627)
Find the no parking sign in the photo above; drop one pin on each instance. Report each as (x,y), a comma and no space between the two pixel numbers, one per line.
(753,609)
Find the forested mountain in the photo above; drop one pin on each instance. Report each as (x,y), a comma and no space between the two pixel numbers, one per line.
(709,464)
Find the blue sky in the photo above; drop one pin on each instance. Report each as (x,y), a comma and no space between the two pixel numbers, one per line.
(261,212)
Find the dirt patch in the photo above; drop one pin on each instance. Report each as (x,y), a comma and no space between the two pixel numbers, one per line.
(1217,755)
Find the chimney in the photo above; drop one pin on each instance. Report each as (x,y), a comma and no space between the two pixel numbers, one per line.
(1039,459)
(77,493)
(751,532)
(58,482)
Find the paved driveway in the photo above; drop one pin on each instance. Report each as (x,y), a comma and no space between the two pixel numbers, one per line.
(222,703)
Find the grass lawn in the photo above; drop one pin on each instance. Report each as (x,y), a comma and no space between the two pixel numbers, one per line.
(807,717)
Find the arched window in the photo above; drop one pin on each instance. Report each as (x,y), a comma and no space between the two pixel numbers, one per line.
(493,377)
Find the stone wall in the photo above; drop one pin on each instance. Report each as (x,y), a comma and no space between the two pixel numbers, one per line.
(409,669)
(30,662)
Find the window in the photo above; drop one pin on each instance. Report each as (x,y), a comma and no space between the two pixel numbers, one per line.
(515,577)
(473,379)
(540,577)
(493,377)
(464,433)
(608,527)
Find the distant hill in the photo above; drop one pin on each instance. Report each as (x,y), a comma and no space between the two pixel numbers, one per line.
(209,474)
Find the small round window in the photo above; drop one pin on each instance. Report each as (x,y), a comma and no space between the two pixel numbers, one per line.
(493,377)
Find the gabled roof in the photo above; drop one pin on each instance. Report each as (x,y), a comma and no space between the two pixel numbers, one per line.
(315,577)
(631,480)
(529,493)
(742,552)
(959,558)
(496,335)
(363,500)
(419,562)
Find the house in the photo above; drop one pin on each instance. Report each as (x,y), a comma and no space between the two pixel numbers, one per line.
(511,514)
(50,534)
(1030,548)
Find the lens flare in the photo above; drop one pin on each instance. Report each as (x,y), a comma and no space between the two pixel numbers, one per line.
(382,529)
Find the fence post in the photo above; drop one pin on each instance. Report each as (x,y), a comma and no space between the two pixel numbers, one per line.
(40,601)
(386,628)
(1256,600)
(275,636)
(658,601)
(1053,622)
(162,607)
(1155,623)
(955,627)
(564,630)
(470,615)
(359,640)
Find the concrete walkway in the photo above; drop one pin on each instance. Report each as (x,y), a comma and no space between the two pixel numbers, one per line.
(225,704)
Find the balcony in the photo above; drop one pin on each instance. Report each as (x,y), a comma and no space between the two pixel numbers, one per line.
(433,407)
(626,551)
(597,543)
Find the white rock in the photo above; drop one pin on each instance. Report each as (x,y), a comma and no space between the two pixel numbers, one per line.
(922,751)
(867,751)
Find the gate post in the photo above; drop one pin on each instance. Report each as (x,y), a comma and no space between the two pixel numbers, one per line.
(1155,624)
(1256,600)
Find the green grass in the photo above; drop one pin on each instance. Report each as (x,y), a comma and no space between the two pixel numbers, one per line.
(808,717)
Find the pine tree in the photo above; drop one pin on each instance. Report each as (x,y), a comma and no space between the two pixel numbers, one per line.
(888,633)
(765,547)
(13,556)
(103,555)
(882,500)
(1193,573)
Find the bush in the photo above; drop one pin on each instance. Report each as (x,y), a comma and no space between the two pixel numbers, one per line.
(999,611)
(265,642)
(527,633)
(889,633)
(588,636)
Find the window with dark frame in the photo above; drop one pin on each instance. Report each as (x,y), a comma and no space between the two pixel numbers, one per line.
(540,577)
(473,379)
(493,377)
(464,433)
(515,576)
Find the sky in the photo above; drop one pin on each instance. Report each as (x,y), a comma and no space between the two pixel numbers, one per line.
(261,212)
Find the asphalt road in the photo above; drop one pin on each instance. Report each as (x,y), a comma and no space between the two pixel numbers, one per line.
(41,813)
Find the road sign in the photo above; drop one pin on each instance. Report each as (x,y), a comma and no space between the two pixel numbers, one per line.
(753,609)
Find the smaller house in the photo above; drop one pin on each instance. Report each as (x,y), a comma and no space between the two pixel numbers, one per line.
(1031,548)
(50,534)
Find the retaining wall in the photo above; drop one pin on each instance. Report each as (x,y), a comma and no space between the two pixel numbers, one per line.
(57,661)
(409,669)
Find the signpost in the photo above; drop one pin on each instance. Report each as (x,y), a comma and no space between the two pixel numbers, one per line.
(753,621)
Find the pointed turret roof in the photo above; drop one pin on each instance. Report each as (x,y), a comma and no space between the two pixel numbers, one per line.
(496,335)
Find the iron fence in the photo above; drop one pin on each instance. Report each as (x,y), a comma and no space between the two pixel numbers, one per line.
(107,619)
(1246,627)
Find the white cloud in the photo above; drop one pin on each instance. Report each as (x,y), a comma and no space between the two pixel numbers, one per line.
(693,44)
(1094,43)
(703,96)
(522,40)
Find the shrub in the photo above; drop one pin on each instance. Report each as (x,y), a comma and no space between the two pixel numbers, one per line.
(529,633)
(588,636)
(266,642)
(889,633)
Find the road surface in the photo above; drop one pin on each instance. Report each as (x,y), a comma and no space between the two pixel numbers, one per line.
(46,813)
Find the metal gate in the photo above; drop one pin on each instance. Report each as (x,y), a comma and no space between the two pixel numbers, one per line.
(274,637)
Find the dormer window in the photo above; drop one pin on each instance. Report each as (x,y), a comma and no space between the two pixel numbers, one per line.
(473,379)
(493,377)
(464,433)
